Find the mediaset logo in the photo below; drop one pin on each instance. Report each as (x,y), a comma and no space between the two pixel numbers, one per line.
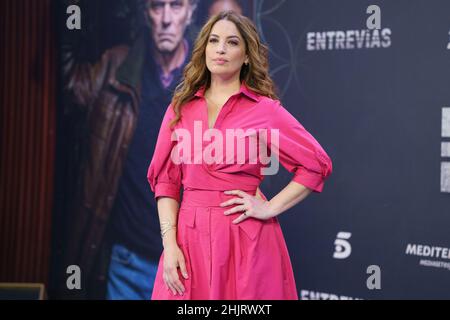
(428,251)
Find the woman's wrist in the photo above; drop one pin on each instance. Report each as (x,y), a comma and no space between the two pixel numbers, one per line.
(273,209)
(169,239)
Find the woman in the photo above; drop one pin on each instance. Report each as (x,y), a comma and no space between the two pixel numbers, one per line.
(224,241)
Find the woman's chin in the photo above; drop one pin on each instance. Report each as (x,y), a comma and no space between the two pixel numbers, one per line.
(221,72)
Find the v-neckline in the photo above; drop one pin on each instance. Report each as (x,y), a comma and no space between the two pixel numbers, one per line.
(207,115)
(218,114)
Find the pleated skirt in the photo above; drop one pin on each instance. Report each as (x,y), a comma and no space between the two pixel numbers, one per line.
(226,261)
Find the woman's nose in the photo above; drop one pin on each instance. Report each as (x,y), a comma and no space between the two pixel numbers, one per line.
(221,48)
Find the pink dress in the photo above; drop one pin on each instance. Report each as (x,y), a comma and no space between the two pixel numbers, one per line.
(226,261)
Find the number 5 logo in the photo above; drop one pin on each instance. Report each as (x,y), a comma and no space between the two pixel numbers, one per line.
(342,249)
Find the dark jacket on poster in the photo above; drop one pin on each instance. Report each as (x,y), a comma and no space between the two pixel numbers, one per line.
(107,94)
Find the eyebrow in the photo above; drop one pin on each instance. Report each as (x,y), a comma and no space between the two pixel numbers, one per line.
(215,35)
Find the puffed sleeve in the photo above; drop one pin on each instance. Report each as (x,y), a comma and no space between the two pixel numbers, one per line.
(298,151)
(164,175)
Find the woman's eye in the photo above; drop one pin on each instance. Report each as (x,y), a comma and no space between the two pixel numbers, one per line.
(234,43)
(212,40)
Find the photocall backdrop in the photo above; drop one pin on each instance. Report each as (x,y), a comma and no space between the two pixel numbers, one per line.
(379,107)
(372,85)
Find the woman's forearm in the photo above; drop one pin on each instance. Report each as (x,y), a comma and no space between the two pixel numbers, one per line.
(168,212)
(292,194)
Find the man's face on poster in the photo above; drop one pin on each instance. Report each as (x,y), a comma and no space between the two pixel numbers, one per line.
(169,19)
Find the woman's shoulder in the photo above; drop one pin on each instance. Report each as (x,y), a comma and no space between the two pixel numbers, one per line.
(268,102)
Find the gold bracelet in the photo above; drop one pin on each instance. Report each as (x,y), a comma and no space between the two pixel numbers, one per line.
(166,226)
(165,231)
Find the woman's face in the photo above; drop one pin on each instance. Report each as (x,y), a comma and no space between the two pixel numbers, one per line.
(225,51)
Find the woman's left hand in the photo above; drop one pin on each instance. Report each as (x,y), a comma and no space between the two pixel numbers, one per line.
(250,206)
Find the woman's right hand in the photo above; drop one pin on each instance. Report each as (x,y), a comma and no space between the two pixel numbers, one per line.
(174,259)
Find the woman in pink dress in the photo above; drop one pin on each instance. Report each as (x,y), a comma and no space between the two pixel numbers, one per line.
(223,131)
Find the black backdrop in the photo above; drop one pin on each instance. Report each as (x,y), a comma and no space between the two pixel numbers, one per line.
(377,112)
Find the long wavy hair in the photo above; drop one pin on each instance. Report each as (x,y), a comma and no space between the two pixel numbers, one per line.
(196,74)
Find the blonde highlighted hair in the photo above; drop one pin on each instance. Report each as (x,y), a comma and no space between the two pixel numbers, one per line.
(196,74)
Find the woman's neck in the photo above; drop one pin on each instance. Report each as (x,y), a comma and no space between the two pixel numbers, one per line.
(224,87)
